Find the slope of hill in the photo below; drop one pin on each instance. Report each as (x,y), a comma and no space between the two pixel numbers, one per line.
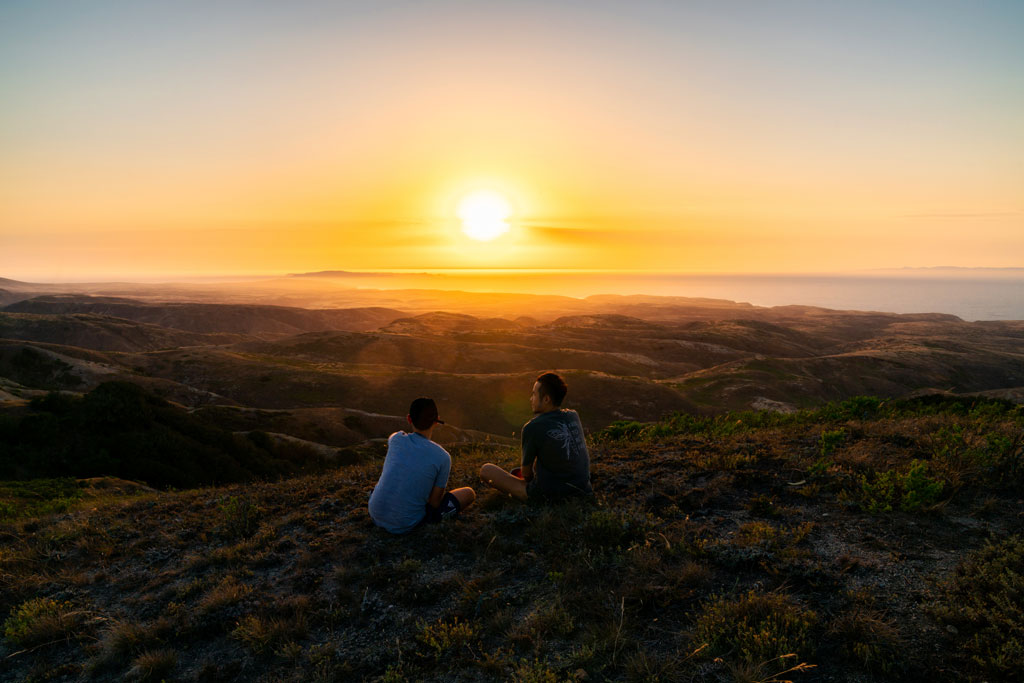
(102,332)
(251,320)
(867,541)
(118,429)
(688,354)
(441,322)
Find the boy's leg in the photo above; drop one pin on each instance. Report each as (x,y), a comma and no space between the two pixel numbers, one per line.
(453,503)
(465,496)
(503,481)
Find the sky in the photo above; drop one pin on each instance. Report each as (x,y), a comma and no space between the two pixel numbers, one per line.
(196,138)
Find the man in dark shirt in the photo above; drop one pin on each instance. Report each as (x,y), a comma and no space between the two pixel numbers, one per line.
(556,463)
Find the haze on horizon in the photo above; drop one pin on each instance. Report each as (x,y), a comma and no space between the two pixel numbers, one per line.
(196,139)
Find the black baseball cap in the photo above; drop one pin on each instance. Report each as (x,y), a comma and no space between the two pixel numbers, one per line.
(423,413)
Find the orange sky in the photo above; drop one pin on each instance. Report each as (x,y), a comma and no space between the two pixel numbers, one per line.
(190,140)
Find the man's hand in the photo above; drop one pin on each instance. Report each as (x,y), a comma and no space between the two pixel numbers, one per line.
(526,472)
(436,495)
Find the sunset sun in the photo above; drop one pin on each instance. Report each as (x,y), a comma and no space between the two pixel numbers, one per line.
(484,215)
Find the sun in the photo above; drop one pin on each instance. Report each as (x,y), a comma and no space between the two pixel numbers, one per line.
(484,215)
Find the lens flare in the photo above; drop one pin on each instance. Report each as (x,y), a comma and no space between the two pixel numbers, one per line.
(484,215)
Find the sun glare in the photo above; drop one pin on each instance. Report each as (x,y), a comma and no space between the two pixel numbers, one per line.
(484,215)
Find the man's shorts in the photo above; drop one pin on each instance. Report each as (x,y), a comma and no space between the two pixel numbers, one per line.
(536,492)
(449,509)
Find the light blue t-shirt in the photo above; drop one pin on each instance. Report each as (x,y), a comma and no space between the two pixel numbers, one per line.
(413,466)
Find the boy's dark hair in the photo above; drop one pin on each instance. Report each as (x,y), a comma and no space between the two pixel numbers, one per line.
(553,386)
(423,413)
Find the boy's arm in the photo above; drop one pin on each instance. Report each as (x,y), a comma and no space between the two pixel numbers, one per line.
(436,495)
(440,482)
(530,448)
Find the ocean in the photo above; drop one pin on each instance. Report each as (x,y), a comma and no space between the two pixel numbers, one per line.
(968,298)
(971,294)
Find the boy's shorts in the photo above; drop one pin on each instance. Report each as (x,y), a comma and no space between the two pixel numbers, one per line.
(449,509)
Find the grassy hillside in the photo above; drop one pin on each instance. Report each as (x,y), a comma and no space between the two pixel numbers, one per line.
(865,541)
(118,429)
(102,332)
(211,318)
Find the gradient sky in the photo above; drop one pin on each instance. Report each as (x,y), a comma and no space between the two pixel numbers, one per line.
(188,138)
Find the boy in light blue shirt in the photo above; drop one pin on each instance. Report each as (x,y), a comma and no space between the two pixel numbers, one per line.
(410,491)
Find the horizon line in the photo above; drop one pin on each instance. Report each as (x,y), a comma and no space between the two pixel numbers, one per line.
(170,278)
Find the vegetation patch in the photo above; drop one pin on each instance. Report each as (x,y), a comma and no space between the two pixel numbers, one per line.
(983,605)
(868,638)
(40,621)
(755,628)
(893,490)
(37,497)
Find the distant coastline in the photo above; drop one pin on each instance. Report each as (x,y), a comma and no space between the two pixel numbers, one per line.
(972,294)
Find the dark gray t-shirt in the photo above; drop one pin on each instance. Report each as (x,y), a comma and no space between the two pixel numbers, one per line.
(553,444)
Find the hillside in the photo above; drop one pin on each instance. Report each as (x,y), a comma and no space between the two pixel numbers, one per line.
(119,429)
(865,541)
(103,332)
(702,356)
(251,320)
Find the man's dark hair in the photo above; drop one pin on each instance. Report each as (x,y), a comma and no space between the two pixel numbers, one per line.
(423,413)
(553,386)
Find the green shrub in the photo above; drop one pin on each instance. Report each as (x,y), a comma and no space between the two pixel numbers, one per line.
(972,455)
(442,637)
(39,621)
(908,491)
(624,429)
(830,441)
(756,627)
(240,516)
(983,602)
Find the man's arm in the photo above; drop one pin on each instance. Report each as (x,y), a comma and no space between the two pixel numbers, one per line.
(436,495)
(530,448)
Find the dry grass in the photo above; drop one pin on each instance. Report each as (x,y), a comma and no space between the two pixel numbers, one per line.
(153,665)
(693,538)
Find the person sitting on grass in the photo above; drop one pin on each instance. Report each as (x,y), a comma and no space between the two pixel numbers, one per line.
(410,491)
(556,463)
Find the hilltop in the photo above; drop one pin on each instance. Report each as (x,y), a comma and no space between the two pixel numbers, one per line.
(870,540)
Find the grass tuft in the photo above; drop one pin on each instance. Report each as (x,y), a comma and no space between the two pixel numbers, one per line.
(154,665)
(39,621)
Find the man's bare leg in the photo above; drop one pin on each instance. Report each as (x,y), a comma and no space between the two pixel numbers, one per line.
(503,481)
(465,496)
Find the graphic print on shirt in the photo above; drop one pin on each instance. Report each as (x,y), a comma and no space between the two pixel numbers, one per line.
(568,434)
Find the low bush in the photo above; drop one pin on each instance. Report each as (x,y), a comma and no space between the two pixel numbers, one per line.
(830,441)
(755,627)
(41,620)
(907,491)
(868,638)
(443,637)
(983,603)
(240,515)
